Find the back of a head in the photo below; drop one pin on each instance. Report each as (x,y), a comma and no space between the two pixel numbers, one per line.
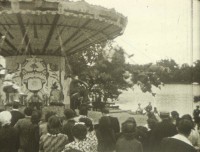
(128,130)
(69,113)
(187,116)
(15,105)
(88,122)
(151,123)
(174,114)
(79,131)
(54,125)
(28,111)
(35,117)
(48,115)
(185,126)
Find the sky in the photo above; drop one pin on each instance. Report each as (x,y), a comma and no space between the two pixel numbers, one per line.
(158,29)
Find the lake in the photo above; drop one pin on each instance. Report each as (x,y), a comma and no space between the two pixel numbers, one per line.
(170,97)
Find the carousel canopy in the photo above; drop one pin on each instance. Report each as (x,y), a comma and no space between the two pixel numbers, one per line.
(55,27)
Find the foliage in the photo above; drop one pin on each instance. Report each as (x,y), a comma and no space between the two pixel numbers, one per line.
(108,74)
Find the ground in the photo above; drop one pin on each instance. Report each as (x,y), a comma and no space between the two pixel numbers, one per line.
(95,115)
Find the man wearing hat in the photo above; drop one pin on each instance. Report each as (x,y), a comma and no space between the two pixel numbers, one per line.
(163,129)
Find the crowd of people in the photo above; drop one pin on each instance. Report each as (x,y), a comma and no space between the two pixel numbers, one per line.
(30,132)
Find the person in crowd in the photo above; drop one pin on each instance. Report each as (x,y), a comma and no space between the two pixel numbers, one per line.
(16,114)
(163,129)
(91,135)
(83,112)
(194,136)
(105,135)
(33,140)
(23,126)
(9,138)
(142,136)
(196,115)
(114,121)
(179,142)
(54,140)
(80,143)
(151,126)
(152,115)
(43,125)
(69,115)
(68,124)
(35,101)
(127,142)
(148,108)
(139,109)
(175,117)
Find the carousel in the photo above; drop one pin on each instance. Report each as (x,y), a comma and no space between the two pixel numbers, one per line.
(37,37)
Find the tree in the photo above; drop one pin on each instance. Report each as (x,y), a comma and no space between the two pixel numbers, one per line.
(108,74)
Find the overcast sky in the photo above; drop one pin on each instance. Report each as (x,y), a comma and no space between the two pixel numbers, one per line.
(158,29)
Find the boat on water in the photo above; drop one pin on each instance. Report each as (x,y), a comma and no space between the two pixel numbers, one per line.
(195,83)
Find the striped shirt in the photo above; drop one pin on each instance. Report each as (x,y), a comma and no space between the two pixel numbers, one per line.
(53,143)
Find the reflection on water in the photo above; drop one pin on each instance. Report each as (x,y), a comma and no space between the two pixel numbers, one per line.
(171,97)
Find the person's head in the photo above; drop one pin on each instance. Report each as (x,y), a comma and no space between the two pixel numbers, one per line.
(88,123)
(188,117)
(28,111)
(131,120)
(48,115)
(35,117)
(151,123)
(15,105)
(184,127)
(79,131)
(105,111)
(175,114)
(83,110)
(54,125)
(197,107)
(129,130)
(5,118)
(69,113)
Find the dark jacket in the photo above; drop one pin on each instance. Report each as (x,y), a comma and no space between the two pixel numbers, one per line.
(175,145)
(16,115)
(132,145)
(28,135)
(9,139)
(106,140)
(163,129)
(115,124)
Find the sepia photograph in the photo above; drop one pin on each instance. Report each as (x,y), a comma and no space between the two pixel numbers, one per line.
(99,76)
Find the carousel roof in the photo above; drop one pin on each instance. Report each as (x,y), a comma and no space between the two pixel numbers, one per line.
(54,27)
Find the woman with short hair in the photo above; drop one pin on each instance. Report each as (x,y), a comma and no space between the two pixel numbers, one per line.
(80,142)
(53,141)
